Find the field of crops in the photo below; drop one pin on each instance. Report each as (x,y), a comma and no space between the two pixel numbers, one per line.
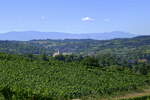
(22,79)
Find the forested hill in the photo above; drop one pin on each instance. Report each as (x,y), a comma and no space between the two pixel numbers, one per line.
(77,46)
(67,77)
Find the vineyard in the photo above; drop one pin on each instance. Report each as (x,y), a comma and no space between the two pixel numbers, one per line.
(26,79)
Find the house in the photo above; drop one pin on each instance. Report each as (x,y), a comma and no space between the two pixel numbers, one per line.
(56,53)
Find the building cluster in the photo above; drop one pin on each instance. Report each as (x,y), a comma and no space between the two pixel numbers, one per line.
(59,53)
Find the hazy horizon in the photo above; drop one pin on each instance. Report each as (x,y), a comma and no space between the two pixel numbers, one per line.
(69,32)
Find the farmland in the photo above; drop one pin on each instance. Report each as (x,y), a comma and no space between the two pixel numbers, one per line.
(23,78)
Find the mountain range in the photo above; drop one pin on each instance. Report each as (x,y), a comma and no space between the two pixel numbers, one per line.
(32,35)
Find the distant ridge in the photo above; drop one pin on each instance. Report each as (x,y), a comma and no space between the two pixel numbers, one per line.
(30,35)
(78,46)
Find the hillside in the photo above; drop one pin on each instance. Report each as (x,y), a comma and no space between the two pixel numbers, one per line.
(77,46)
(31,78)
(29,73)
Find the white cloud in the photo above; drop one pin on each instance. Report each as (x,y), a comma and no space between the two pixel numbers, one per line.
(87,19)
(43,17)
(107,20)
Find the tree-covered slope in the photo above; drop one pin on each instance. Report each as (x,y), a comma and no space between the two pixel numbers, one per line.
(85,46)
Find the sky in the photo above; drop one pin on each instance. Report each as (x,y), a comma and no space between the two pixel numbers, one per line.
(75,16)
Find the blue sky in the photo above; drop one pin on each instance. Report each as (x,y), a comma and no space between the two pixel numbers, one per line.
(75,16)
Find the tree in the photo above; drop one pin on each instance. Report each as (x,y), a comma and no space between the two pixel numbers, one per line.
(90,61)
(45,58)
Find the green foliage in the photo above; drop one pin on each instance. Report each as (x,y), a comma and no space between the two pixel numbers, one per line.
(36,79)
(90,61)
(83,46)
(69,58)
